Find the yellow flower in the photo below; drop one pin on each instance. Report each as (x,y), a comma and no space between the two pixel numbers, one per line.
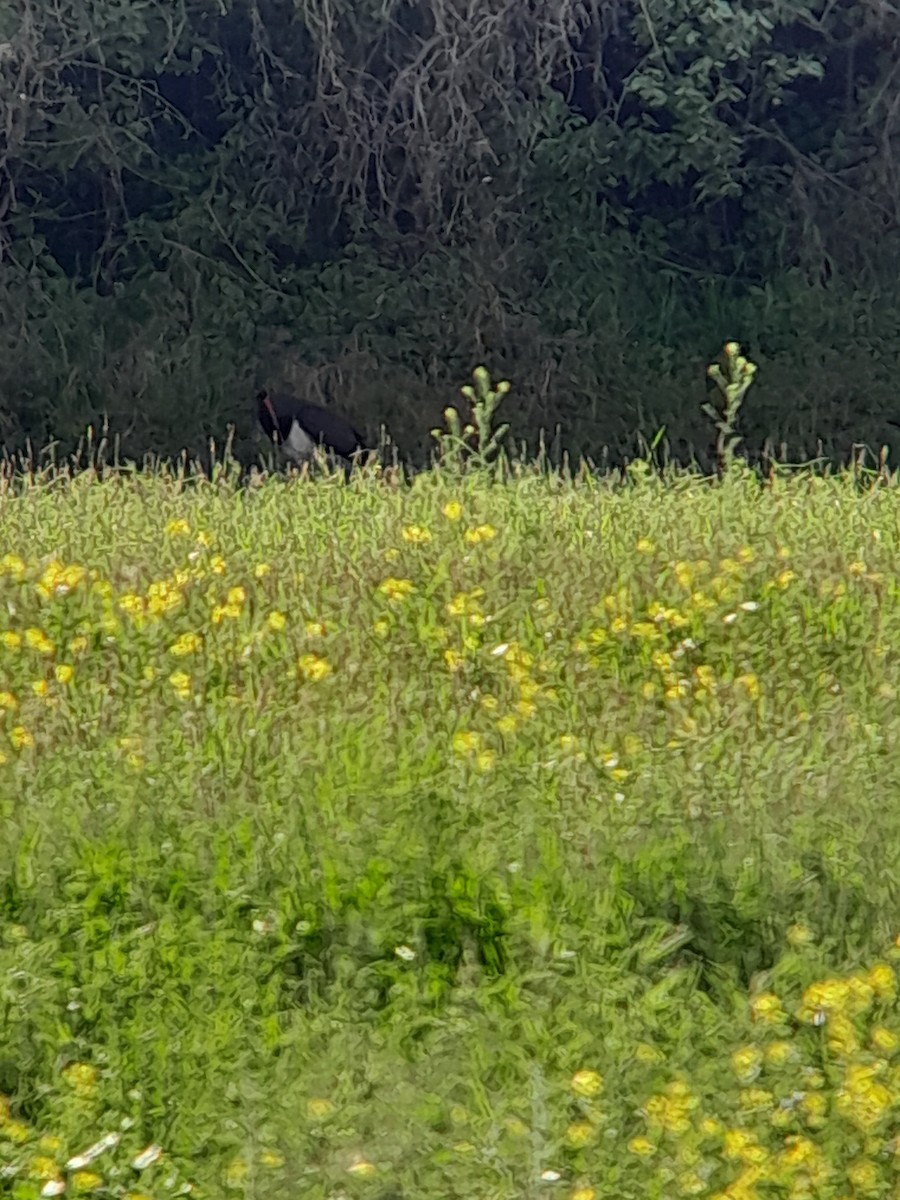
(453,659)
(586,1083)
(884,1039)
(779,1053)
(756,1099)
(223,611)
(485,760)
(261,570)
(706,677)
(642,1146)
(580,1134)
(319,1109)
(746,1063)
(217,564)
(842,1039)
(11,564)
(236,596)
(452,510)
(43,1168)
(864,1175)
(8,701)
(416,534)
(132,604)
(20,738)
(482,533)
(711,1127)
(235,1173)
(647,1054)
(188,643)
(396,589)
(814,1107)
(86,1181)
(507,724)
(882,980)
(742,1145)
(37,640)
(750,683)
(690,1183)
(864,1103)
(644,546)
(583,1193)
(670,1110)
(312,667)
(177,527)
(458,606)
(39,687)
(59,580)
(163,597)
(269,1158)
(276,621)
(315,629)
(466,742)
(381,628)
(181,683)
(78,645)
(81,1077)
(828,996)
(11,640)
(799,935)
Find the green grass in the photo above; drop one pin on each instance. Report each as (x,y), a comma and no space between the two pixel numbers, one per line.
(343,827)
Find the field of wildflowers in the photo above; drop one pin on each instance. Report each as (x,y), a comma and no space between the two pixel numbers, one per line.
(460,840)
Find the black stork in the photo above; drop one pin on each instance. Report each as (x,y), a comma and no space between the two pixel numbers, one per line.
(299,428)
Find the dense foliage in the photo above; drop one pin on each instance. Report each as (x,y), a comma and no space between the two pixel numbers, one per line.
(366,198)
(511,837)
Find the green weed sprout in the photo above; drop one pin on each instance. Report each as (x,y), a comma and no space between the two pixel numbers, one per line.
(733,383)
(477,443)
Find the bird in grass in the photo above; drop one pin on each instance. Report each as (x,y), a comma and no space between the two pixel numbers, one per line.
(299,428)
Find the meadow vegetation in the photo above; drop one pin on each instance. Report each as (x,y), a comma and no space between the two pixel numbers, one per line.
(521,839)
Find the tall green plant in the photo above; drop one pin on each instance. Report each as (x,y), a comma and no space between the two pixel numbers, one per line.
(479,442)
(733,381)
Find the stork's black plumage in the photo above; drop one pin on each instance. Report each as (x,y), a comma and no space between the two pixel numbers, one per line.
(298,428)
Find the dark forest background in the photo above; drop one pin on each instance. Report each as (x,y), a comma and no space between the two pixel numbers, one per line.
(363,199)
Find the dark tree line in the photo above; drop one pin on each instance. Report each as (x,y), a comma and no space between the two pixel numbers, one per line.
(367,197)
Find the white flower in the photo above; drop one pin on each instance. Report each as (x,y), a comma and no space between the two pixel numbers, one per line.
(147,1157)
(80,1161)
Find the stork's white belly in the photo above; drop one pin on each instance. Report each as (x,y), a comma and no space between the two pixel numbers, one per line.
(298,446)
